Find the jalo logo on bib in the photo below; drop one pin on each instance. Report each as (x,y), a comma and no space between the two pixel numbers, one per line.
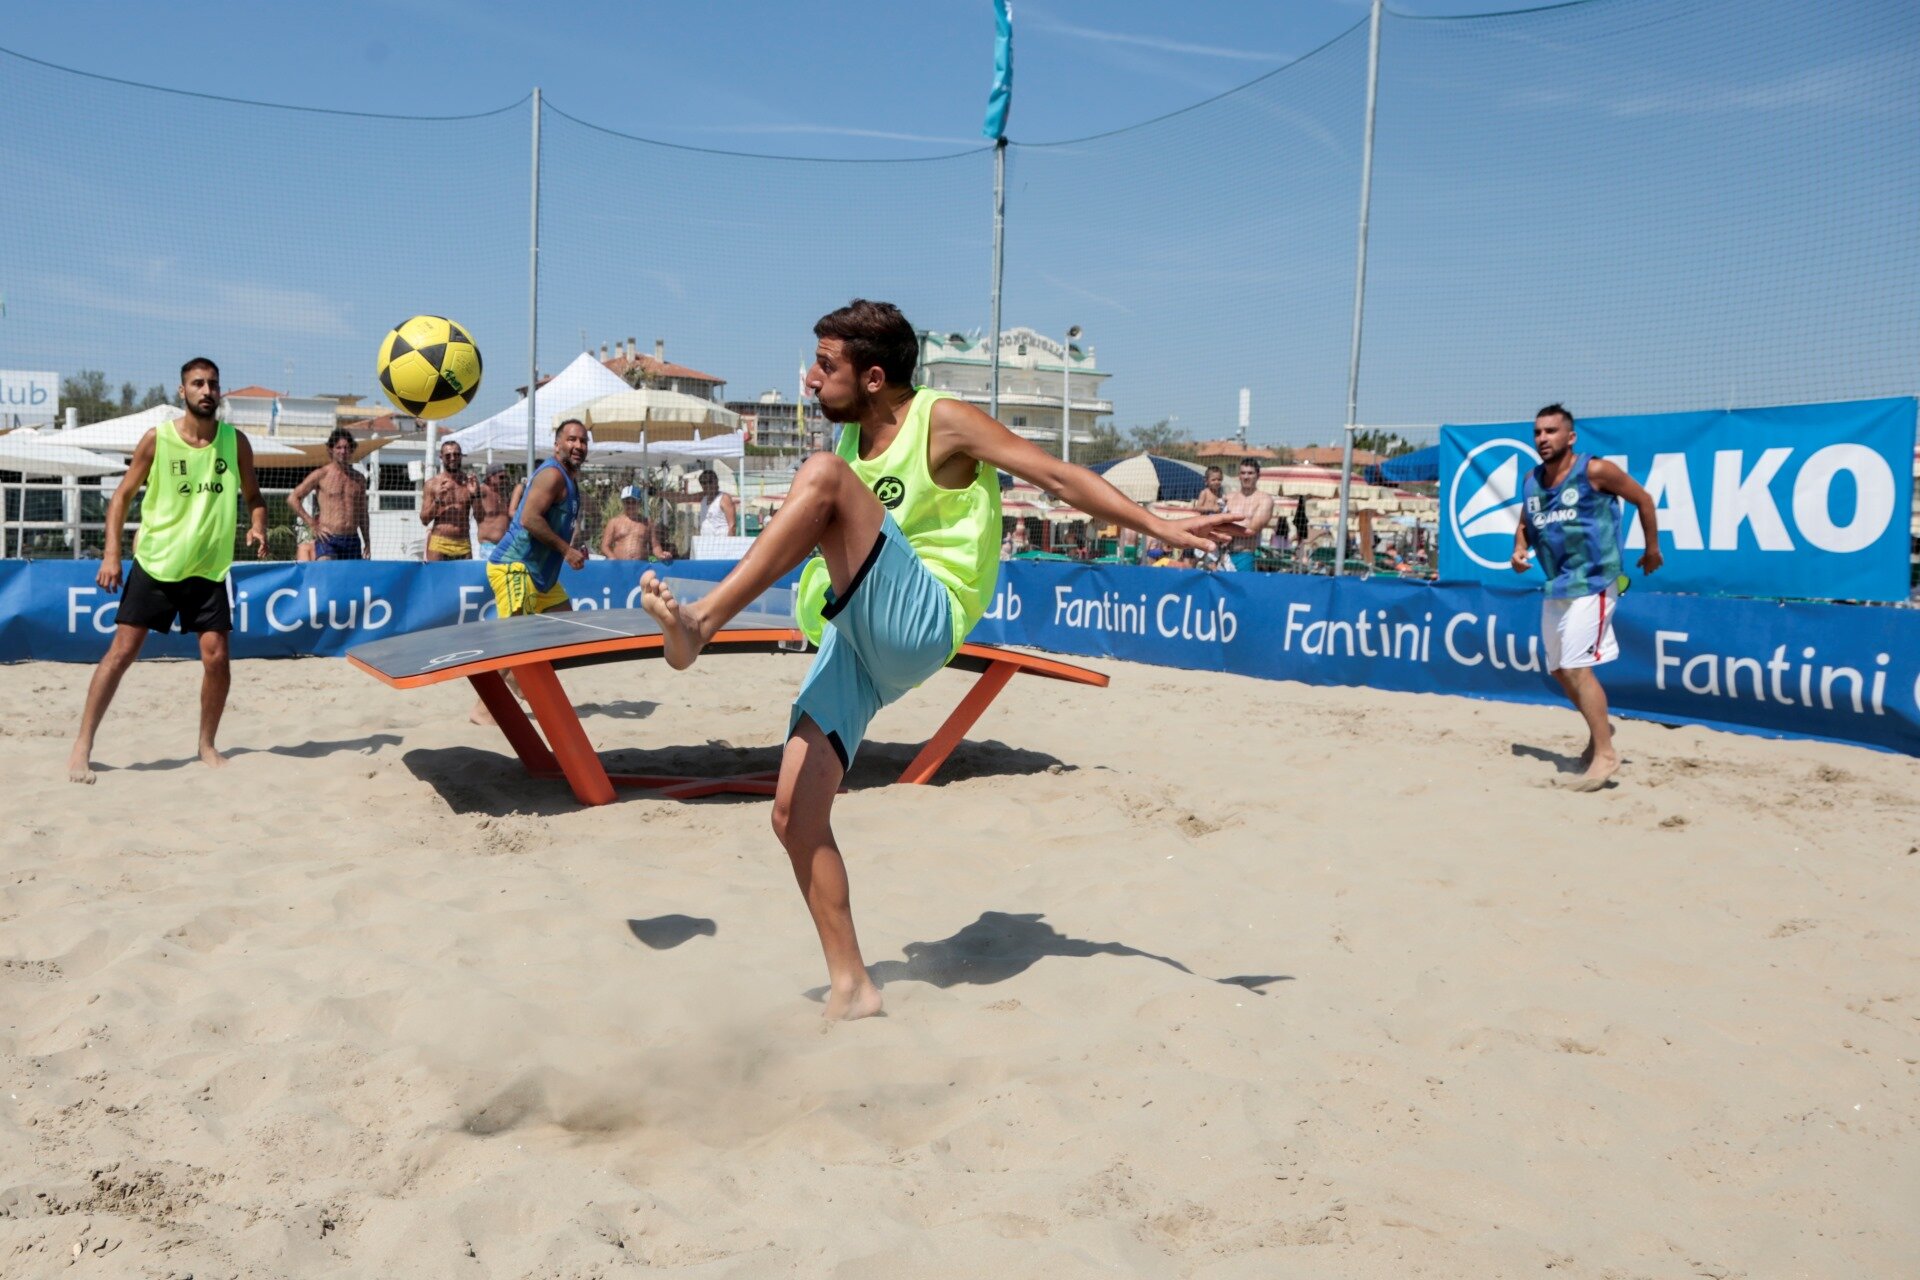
(1485,498)
(890,491)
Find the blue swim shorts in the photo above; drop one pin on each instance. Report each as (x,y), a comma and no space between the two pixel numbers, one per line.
(891,630)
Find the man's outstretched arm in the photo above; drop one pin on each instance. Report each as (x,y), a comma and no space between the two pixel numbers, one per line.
(961,429)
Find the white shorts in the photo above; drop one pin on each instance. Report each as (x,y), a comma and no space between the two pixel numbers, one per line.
(1579,632)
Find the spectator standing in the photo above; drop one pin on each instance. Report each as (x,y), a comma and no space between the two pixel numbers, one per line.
(1212,496)
(341,531)
(446,507)
(629,535)
(1255,510)
(492,512)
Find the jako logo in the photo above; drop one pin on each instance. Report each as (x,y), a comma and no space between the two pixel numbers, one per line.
(1486,500)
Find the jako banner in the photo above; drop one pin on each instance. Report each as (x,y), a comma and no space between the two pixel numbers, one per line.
(1847,673)
(1807,502)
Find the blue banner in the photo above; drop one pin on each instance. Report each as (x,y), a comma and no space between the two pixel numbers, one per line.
(1807,502)
(1844,673)
(53,610)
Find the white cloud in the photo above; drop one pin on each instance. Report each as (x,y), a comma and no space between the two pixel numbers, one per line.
(297,311)
(834,130)
(1159,43)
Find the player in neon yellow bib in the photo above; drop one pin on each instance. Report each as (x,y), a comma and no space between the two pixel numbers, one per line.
(194,468)
(906,516)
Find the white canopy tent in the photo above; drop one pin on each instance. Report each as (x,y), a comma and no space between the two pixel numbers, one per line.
(122,435)
(45,453)
(506,431)
(35,454)
(116,435)
(713,450)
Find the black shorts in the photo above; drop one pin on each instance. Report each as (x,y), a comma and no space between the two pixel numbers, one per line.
(197,604)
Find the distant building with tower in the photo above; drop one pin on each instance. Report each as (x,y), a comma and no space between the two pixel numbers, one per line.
(1035,372)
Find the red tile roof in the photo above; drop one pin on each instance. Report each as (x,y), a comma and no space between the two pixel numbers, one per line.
(1232,449)
(659,369)
(264,393)
(1329,456)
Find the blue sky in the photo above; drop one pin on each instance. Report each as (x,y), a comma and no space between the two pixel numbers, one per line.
(1631,204)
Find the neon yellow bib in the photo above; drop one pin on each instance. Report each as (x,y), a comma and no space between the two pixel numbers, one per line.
(955,532)
(189,514)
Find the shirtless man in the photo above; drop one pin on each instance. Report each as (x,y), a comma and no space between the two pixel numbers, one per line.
(629,535)
(492,513)
(1255,510)
(445,506)
(341,532)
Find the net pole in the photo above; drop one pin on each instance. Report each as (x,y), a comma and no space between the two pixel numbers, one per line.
(1359,296)
(533,287)
(999,267)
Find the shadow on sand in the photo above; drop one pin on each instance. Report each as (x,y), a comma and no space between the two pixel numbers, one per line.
(663,933)
(299,750)
(1000,945)
(489,781)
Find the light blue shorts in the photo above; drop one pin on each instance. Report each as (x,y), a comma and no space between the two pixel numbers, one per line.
(889,632)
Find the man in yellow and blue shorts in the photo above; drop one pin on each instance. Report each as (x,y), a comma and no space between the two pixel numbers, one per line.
(524,569)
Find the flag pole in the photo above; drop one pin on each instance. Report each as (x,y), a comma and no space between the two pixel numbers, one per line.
(999,103)
(533,289)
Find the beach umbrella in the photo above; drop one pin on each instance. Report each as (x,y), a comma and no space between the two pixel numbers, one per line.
(1149,477)
(1300,519)
(653,414)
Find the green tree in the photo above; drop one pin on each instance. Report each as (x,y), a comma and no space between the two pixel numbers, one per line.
(1387,444)
(89,392)
(1105,446)
(1162,438)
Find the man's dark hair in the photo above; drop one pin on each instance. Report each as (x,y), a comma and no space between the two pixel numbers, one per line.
(874,333)
(339,434)
(1555,410)
(198,362)
(1250,462)
(558,427)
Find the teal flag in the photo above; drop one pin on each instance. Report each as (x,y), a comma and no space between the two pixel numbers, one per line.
(1001,99)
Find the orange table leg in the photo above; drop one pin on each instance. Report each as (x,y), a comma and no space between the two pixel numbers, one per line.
(941,745)
(578,760)
(506,712)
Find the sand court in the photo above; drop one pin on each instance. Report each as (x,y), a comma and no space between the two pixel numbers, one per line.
(1192,976)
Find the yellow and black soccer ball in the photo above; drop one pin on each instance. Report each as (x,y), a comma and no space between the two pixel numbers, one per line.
(429,367)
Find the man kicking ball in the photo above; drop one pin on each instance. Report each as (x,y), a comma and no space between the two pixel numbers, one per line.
(1571,519)
(906,516)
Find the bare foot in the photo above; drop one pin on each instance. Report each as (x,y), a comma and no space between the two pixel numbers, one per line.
(211,757)
(1586,757)
(1603,766)
(862,1001)
(682,634)
(79,767)
(480,714)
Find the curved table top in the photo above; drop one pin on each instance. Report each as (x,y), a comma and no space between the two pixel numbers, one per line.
(586,636)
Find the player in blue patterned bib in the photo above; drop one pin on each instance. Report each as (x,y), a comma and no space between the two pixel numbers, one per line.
(1571,518)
